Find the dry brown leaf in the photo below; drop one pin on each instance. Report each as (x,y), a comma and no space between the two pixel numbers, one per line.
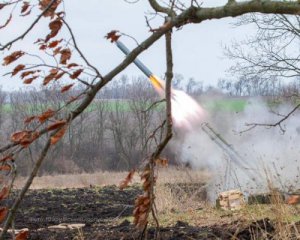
(65,55)
(18,136)
(29,80)
(56,137)
(56,125)
(76,73)
(7,22)
(17,69)
(113,36)
(127,180)
(72,65)
(23,235)
(54,26)
(66,88)
(43,47)
(27,13)
(5,167)
(12,57)
(46,115)
(28,139)
(4,193)
(3,213)
(142,220)
(59,75)
(29,119)
(25,7)
(53,44)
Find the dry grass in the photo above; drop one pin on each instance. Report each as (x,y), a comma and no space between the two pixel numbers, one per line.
(104,178)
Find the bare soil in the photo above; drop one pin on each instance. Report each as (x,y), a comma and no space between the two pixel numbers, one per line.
(104,211)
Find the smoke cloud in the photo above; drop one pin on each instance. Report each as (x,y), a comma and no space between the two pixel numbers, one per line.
(265,152)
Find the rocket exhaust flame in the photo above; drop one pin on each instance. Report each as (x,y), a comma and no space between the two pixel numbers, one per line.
(185,110)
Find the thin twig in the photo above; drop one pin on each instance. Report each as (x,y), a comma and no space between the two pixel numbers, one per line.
(276,124)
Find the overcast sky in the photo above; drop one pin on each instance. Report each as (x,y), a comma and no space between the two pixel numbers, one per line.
(198,50)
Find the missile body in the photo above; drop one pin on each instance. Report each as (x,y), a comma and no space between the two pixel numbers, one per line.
(157,83)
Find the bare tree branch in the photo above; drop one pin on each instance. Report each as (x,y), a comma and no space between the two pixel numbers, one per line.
(158,8)
(276,124)
(19,198)
(79,51)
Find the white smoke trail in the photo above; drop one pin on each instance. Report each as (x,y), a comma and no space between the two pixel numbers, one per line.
(260,148)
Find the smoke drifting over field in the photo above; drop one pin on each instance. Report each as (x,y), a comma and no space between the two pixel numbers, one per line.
(265,151)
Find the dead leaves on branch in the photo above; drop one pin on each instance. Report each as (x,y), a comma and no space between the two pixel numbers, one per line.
(127,180)
(76,73)
(46,115)
(56,125)
(72,65)
(30,80)
(27,73)
(29,119)
(24,138)
(43,4)
(142,204)
(55,74)
(17,69)
(52,74)
(65,55)
(66,88)
(25,10)
(53,44)
(58,135)
(54,26)
(5,167)
(25,7)
(141,210)
(12,57)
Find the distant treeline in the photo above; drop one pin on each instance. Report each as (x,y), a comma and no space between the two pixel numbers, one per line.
(113,133)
